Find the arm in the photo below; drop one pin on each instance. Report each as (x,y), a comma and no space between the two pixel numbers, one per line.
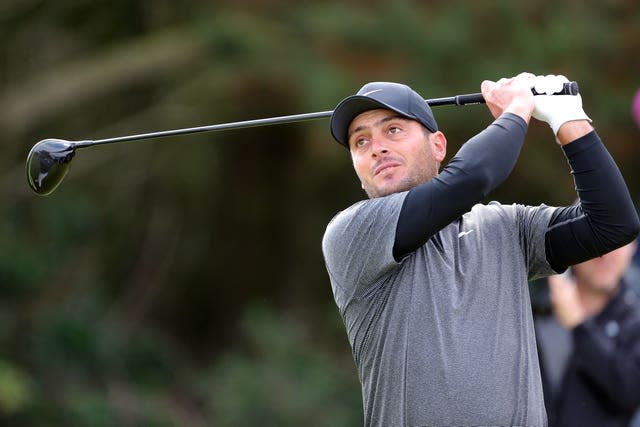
(470,175)
(605,218)
(479,166)
(572,130)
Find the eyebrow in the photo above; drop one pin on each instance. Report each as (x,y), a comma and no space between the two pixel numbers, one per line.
(378,123)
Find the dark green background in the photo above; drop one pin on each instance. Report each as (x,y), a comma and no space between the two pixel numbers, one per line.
(180,282)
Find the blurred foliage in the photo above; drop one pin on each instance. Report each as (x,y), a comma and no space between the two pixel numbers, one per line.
(287,378)
(180,282)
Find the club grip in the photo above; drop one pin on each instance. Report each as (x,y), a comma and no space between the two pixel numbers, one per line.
(569,88)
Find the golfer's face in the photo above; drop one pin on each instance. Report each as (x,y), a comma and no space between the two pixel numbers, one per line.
(391,153)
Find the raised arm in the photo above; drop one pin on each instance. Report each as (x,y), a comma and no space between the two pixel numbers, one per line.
(605,217)
(479,166)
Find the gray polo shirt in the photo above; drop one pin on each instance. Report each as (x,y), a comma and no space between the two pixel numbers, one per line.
(445,337)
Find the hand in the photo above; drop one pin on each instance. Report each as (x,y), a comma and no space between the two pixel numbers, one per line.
(511,95)
(556,110)
(565,301)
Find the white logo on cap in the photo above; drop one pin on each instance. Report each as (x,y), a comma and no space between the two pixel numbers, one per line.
(370,92)
(463,233)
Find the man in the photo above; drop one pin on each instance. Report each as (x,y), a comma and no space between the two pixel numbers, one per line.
(431,286)
(590,347)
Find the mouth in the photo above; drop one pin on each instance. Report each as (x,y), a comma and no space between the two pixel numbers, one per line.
(385,166)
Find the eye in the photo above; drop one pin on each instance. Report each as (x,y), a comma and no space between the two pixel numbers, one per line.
(361,141)
(394,129)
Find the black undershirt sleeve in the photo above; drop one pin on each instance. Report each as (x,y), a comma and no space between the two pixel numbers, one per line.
(605,217)
(480,165)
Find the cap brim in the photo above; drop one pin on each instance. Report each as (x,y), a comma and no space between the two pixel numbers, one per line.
(348,110)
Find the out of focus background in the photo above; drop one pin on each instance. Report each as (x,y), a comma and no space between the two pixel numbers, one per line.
(180,281)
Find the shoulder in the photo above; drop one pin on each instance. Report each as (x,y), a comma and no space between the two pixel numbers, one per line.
(364,221)
(367,209)
(514,211)
(528,223)
(493,212)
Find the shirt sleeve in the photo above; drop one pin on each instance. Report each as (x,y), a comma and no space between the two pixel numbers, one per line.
(532,223)
(358,245)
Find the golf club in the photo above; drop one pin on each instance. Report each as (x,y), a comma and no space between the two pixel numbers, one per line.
(49,160)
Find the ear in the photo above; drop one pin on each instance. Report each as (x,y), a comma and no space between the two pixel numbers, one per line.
(439,142)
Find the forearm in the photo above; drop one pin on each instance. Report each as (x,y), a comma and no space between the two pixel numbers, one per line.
(479,166)
(605,218)
(572,131)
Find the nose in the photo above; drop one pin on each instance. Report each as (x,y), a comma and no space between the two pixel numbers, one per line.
(378,145)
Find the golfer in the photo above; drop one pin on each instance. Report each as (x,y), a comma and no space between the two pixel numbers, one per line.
(433,286)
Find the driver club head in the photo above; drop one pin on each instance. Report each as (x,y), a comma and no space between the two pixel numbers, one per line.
(47,164)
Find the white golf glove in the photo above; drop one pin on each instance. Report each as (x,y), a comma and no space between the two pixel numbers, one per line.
(556,109)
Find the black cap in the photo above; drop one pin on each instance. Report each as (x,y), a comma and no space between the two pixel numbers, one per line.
(393,96)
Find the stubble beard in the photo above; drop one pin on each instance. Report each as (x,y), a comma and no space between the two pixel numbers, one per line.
(405,184)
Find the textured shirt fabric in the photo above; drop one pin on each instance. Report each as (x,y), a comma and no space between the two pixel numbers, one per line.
(445,336)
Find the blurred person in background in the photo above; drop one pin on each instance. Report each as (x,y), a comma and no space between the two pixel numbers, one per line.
(589,345)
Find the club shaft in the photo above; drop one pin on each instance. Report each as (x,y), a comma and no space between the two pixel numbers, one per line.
(474,98)
(210,128)
(570,88)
